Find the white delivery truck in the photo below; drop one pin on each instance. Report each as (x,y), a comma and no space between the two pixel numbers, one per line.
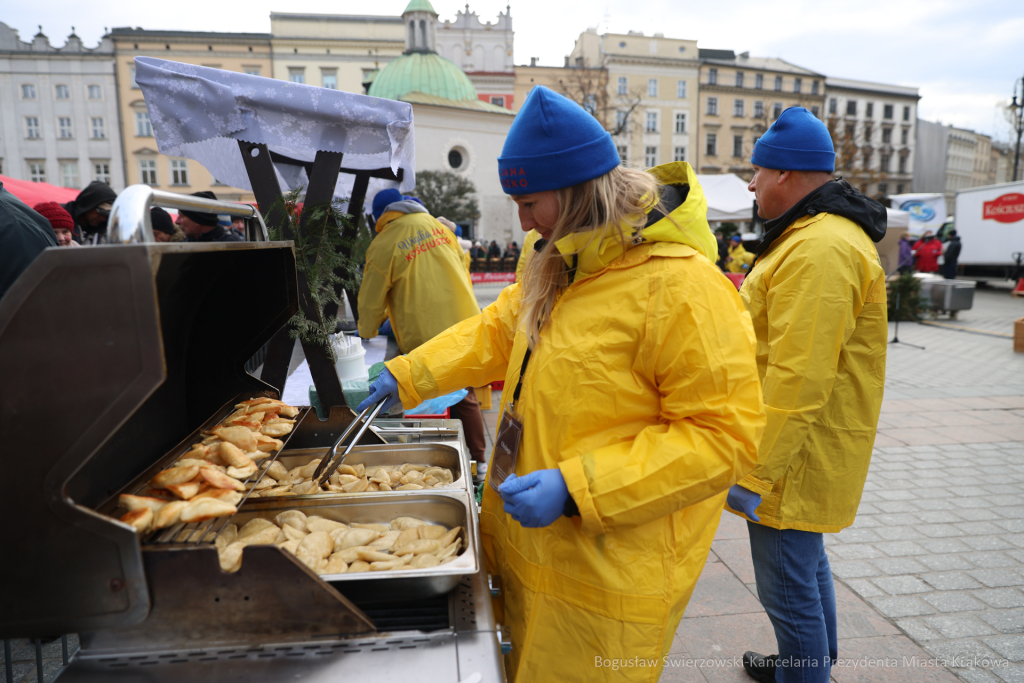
(990,223)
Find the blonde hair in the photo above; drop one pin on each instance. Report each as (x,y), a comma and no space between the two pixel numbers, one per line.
(617,201)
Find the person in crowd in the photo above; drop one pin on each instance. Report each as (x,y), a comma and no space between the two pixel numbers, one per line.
(739,259)
(524,256)
(238,225)
(950,255)
(494,251)
(200,226)
(723,250)
(631,400)
(23,236)
(416,277)
(90,210)
(927,251)
(905,260)
(61,222)
(512,251)
(816,295)
(164,229)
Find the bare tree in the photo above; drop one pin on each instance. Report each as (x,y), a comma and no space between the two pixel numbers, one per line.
(588,87)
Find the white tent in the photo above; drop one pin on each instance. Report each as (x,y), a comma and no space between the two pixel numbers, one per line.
(728,197)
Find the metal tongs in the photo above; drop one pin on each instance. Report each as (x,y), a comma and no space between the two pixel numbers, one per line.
(328,466)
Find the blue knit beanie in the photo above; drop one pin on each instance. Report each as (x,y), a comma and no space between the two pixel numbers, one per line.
(797,141)
(382,199)
(553,143)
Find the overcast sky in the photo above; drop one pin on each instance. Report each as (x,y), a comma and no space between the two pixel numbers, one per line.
(964,55)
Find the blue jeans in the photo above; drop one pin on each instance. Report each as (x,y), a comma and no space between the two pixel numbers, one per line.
(794,583)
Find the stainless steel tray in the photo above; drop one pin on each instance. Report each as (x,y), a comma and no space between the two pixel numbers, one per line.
(448,455)
(450,509)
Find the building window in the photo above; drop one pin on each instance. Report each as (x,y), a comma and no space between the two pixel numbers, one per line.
(28,91)
(135,85)
(796,84)
(32,127)
(95,92)
(623,153)
(815,110)
(622,85)
(37,171)
(739,79)
(887,111)
(297,75)
(867,159)
(679,154)
(883,163)
(711,149)
(851,107)
(147,171)
(832,105)
(758,109)
(179,172)
(101,171)
(738,108)
(903,136)
(867,132)
(906,113)
(814,87)
(777,110)
(652,122)
(498,100)
(887,136)
(899,188)
(883,189)
(652,87)
(143,128)
(869,110)
(64,127)
(98,130)
(252,70)
(680,122)
(778,83)
(737,145)
(681,89)
(758,81)
(330,79)
(712,106)
(712,76)
(620,120)
(69,173)
(902,164)
(61,92)
(650,156)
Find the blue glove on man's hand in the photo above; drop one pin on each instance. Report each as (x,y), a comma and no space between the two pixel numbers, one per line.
(537,499)
(385,329)
(744,500)
(384,384)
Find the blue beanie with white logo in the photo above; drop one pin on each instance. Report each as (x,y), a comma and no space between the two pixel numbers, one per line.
(553,143)
(797,141)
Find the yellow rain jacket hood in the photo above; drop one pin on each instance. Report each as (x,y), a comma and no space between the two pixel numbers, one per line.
(415,276)
(817,299)
(643,392)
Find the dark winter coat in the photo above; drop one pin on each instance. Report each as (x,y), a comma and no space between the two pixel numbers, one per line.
(23,236)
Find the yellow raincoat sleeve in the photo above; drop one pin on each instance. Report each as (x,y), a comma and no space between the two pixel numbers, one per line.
(699,354)
(471,353)
(373,300)
(813,300)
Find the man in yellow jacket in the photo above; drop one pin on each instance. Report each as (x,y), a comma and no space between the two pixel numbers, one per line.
(816,294)
(416,279)
(739,258)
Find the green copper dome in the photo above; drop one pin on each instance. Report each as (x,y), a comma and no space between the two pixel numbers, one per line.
(419,6)
(424,72)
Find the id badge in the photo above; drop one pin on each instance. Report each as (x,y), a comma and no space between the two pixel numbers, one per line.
(506,448)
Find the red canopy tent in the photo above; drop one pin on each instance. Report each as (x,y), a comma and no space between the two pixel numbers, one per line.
(34,193)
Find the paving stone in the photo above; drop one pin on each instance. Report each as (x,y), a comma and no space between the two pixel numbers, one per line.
(864,588)
(997,578)
(953,602)
(917,629)
(975,502)
(900,548)
(1011,647)
(978,515)
(1016,539)
(897,533)
(979,528)
(953,650)
(959,626)
(896,506)
(899,519)
(987,543)
(901,607)
(855,536)
(977,676)
(1015,526)
(896,494)
(901,585)
(939,530)
(855,551)
(1017,555)
(899,565)
(939,516)
(925,504)
(942,546)
(866,522)
(1000,597)
(951,582)
(993,559)
(944,563)
(1010,674)
(1005,620)
(854,569)
(1010,512)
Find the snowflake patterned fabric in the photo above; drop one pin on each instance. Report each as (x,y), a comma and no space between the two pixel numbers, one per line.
(199,113)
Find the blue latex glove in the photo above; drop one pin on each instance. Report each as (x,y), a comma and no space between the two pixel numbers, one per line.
(744,500)
(385,329)
(383,385)
(537,499)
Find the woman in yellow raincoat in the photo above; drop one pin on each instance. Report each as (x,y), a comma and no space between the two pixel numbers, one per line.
(628,362)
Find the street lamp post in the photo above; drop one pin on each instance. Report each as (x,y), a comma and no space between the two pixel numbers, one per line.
(1019,110)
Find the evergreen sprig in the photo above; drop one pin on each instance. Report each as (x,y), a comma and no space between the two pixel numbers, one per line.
(319,255)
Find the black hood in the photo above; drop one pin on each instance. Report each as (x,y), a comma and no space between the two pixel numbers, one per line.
(97,192)
(837,198)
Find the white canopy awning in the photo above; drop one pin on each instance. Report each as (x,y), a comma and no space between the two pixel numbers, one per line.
(728,197)
(201,113)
